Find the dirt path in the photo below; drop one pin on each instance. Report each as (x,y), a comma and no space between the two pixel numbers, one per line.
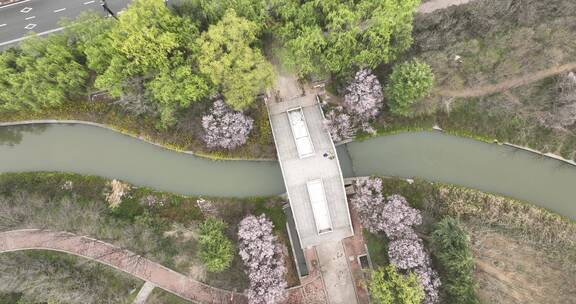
(434,5)
(120,259)
(508,84)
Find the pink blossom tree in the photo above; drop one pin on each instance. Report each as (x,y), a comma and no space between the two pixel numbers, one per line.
(430,281)
(262,257)
(363,101)
(364,96)
(407,254)
(339,125)
(369,203)
(225,128)
(397,219)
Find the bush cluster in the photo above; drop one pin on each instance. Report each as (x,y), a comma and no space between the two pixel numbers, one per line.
(216,250)
(452,250)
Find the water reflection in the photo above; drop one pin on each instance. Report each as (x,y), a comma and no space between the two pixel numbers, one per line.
(12,135)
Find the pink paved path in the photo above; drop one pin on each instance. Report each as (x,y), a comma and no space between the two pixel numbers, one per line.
(120,259)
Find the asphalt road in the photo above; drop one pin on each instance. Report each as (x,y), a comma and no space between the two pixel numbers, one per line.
(42,16)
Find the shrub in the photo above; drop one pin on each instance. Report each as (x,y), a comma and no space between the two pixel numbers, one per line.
(452,249)
(409,82)
(216,250)
(262,257)
(117,191)
(225,128)
(386,285)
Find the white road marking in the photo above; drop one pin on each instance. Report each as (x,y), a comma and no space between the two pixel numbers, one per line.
(17,3)
(30,18)
(26,37)
(88,2)
(26,10)
(1,25)
(30,26)
(59,10)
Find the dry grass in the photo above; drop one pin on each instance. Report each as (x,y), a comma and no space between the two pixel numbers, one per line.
(531,223)
(523,253)
(163,232)
(39,276)
(510,271)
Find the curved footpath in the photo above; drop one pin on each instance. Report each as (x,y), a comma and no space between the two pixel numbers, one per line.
(119,259)
(508,84)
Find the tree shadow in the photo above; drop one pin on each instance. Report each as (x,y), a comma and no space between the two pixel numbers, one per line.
(13,135)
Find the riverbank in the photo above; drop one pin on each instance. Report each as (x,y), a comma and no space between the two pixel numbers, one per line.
(522,253)
(159,226)
(496,76)
(184,137)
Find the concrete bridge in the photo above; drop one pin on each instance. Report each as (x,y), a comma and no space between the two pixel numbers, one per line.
(314,184)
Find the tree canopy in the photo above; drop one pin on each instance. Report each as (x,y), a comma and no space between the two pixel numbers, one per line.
(43,73)
(337,36)
(232,62)
(409,82)
(148,43)
(387,286)
(452,249)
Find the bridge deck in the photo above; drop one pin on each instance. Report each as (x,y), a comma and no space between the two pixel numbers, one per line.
(298,171)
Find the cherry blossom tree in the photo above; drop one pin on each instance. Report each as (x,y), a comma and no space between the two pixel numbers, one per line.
(363,101)
(369,203)
(262,256)
(430,281)
(364,96)
(397,219)
(225,128)
(339,124)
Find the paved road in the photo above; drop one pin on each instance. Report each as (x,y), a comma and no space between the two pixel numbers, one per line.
(42,16)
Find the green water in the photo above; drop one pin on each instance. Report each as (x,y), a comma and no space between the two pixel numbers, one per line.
(96,151)
(429,155)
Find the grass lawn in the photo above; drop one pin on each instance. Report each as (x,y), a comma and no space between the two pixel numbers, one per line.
(377,248)
(159,296)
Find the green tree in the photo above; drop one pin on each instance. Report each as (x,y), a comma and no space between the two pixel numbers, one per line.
(387,286)
(409,82)
(216,250)
(452,249)
(253,10)
(339,36)
(150,44)
(232,62)
(44,73)
(91,32)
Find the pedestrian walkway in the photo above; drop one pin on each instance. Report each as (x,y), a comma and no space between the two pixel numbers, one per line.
(144,293)
(314,184)
(120,259)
